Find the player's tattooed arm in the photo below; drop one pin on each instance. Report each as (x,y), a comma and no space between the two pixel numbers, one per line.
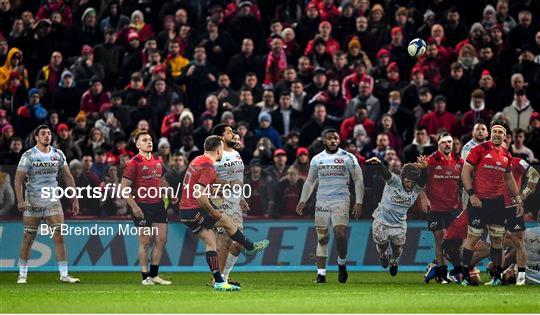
(532,180)
(137,212)
(380,168)
(70,182)
(19,180)
(512,188)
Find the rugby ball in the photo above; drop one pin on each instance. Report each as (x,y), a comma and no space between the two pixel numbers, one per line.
(416,48)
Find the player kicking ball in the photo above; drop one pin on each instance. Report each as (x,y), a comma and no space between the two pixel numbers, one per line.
(390,218)
(40,167)
(331,170)
(199,215)
(229,168)
(142,172)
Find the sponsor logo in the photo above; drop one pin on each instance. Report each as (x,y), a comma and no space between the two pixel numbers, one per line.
(144,168)
(438,167)
(488,156)
(476,222)
(339,161)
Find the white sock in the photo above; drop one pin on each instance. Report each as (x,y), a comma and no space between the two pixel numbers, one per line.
(321,272)
(23,268)
(63,268)
(341,261)
(231,260)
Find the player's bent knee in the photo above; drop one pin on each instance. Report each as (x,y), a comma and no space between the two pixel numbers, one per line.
(474,232)
(322,242)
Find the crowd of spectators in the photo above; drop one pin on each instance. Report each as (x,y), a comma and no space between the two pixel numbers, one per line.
(279,71)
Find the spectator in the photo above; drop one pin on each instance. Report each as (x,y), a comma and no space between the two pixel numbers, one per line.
(52,72)
(403,118)
(31,114)
(244,62)
(276,62)
(325,32)
(292,49)
(111,204)
(109,54)
(67,100)
(205,130)
(51,7)
(365,97)
(333,100)
(439,119)
(289,76)
(85,69)
(95,142)
(301,161)
(139,26)
(360,117)
(14,96)
(339,69)
(12,155)
(314,127)
(186,121)
(218,43)
(247,111)
(159,99)
(388,128)
(381,146)
(298,96)
(278,169)
(265,130)
(378,26)
(309,24)
(421,145)
(100,165)
(261,198)
(478,111)
(456,88)
(66,144)
(164,152)
(83,176)
(94,98)
(519,112)
(286,119)
(318,83)
(246,25)
(268,103)
(454,28)
(287,196)
(351,83)
(177,171)
(114,19)
(85,32)
(533,137)
(188,147)
(522,36)
(518,147)
(13,63)
(134,90)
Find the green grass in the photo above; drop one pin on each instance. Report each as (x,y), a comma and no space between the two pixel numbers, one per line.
(261,293)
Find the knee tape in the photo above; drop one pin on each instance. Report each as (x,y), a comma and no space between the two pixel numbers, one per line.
(475,231)
(322,243)
(496,231)
(31,230)
(56,227)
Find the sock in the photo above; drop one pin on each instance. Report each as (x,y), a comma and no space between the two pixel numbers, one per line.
(23,267)
(465,273)
(62,267)
(212,261)
(496,256)
(241,239)
(467,256)
(153,271)
(321,272)
(144,275)
(458,269)
(443,271)
(341,261)
(231,260)
(521,269)
(497,272)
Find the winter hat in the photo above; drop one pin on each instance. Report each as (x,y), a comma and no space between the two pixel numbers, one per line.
(87,12)
(186,114)
(32,92)
(163,142)
(264,116)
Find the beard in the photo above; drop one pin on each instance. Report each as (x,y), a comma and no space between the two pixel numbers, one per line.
(327,148)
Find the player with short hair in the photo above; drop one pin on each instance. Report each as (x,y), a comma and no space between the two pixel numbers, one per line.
(200,216)
(443,199)
(142,172)
(480,134)
(515,225)
(491,164)
(40,167)
(332,170)
(390,218)
(229,168)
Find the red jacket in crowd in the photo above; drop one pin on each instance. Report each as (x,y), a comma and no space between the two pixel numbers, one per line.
(433,122)
(347,127)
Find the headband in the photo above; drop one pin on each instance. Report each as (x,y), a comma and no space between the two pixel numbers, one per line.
(498,127)
(444,139)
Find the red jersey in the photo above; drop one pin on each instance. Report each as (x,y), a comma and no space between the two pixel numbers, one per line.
(144,173)
(200,171)
(519,167)
(458,228)
(491,165)
(442,188)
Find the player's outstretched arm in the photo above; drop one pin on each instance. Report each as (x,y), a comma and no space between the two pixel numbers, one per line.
(70,182)
(307,189)
(512,188)
(380,168)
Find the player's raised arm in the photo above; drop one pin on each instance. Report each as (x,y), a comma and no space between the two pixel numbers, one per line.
(308,187)
(70,182)
(380,168)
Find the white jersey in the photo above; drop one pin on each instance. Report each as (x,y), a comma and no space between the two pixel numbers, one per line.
(333,172)
(231,167)
(395,202)
(532,246)
(467,148)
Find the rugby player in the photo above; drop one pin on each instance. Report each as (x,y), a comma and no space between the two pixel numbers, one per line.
(141,173)
(200,216)
(229,168)
(479,135)
(390,218)
(491,164)
(40,166)
(532,247)
(331,170)
(443,199)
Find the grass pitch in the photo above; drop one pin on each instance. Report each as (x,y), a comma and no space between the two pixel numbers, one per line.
(261,293)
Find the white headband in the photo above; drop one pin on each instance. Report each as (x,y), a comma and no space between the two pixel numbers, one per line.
(444,139)
(499,127)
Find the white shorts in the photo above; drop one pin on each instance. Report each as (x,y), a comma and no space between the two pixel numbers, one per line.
(382,233)
(234,212)
(331,213)
(54,208)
